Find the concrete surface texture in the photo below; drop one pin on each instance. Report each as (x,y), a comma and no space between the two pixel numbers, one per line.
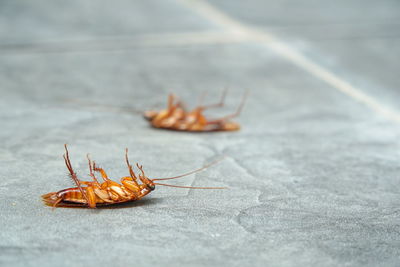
(313,176)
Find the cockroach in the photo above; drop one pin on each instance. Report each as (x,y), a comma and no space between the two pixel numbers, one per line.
(177,117)
(92,194)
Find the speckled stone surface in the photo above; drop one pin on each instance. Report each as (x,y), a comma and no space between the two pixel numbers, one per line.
(313,175)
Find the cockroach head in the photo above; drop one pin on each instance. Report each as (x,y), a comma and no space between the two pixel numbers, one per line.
(151,186)
(150,114)
(148,182)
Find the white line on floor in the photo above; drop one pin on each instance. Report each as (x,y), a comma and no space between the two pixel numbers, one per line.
(277,45)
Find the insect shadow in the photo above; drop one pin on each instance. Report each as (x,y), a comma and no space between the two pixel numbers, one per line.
(123,205)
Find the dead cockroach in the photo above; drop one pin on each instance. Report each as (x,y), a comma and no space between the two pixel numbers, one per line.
(92,194)
(176,117)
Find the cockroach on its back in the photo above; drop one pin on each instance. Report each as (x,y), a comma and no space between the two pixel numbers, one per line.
(176,117)
(92,194)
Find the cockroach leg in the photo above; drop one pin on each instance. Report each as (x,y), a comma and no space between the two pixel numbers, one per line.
(91,170)
(85,183)
(91,197)
(201,99)
(181,105)
(102,172)
(131,172)
(171,98)
(221,102)
(235,114)
(72,173)
(56,203)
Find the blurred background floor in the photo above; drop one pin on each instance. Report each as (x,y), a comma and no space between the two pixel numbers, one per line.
(313,176)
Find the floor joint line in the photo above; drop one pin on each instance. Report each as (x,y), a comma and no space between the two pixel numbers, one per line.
(275,44)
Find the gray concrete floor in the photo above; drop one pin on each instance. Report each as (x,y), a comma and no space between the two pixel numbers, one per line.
(313,176)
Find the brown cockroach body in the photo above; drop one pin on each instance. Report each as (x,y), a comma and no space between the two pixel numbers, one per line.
(93,193)
(176,117)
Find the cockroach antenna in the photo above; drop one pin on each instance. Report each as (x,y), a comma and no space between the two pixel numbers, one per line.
(191,187)
(191,172)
